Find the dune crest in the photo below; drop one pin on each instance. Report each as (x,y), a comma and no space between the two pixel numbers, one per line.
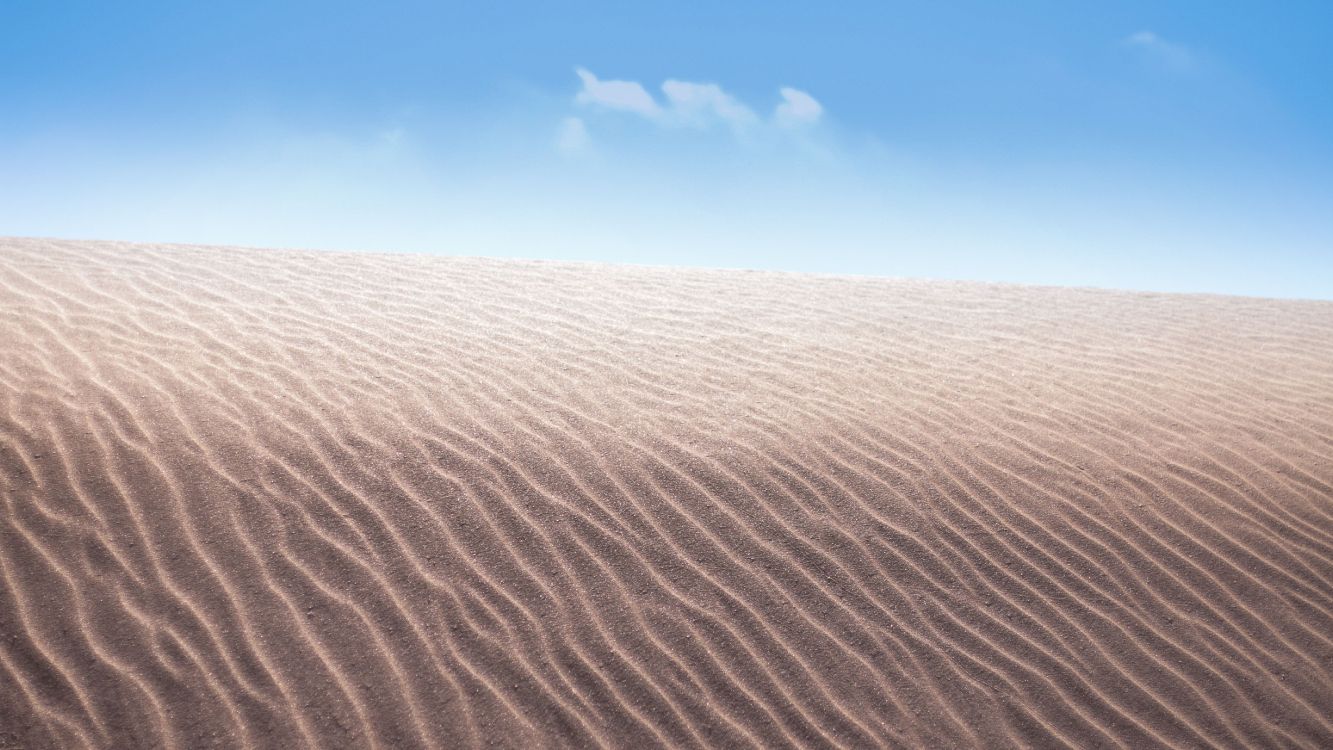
(281,499)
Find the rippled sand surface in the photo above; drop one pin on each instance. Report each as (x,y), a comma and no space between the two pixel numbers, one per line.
(291,499)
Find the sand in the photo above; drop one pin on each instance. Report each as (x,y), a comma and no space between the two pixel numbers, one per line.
(282,499)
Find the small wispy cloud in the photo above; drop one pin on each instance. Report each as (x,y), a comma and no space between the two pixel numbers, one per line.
(698,104)
(688,104)
(627,96)
(572,137)
(1159,51)
(798,109)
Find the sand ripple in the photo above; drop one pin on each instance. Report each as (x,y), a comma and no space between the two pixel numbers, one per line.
(284,499)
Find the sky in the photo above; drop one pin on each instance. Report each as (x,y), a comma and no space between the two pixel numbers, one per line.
(1163,146)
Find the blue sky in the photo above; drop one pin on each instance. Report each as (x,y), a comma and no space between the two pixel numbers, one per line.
(1175,146)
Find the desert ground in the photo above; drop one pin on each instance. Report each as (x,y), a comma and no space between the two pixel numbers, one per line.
(283,499)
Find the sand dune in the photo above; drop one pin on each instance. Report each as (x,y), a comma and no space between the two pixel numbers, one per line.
(282,499)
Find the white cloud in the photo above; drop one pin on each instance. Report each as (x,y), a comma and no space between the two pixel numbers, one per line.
(628,96)
(797,108)
(1160,51)
(687,104)
(700,103)
(572,138)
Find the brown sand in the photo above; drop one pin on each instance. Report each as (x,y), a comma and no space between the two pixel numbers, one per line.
(282,499)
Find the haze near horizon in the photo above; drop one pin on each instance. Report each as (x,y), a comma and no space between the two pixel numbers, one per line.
(1154,146)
